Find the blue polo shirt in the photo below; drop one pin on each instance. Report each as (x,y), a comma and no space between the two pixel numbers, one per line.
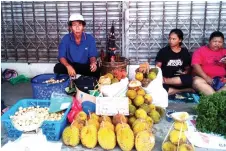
(75,53)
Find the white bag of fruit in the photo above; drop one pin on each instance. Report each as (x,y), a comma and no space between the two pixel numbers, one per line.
(176,139)
(156,90)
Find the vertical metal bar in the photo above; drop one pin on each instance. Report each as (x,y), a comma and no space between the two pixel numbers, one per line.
(24,29)
(149,31)
(190,24)
(3,32)
(68,8)
(137,32)
(35,32)
(219,19)
(46,31)
(81,7)
(93,20)
(106,25)
(163,22)
(204,25)
(57,23)
(13,29)
(177,13)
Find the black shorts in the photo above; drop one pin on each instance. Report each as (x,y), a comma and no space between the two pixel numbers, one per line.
(186,82)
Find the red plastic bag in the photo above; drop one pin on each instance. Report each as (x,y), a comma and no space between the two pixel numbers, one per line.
(75,109)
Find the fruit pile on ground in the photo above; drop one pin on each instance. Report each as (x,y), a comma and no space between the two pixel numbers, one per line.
(177,139)
(90,130)
(145,74)
(113,77)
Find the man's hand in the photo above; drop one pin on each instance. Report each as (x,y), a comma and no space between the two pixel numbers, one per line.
(71,70)
(93,67)
(209,80)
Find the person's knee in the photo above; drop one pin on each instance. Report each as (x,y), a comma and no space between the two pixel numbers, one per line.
(197,81)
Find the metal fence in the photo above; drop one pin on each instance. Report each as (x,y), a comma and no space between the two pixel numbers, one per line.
(31,31)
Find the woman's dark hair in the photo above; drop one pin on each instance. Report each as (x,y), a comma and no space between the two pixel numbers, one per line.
(216,34)
(179,34)
(80,21)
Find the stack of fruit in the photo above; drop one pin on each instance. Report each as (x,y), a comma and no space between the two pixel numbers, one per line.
(108,132)
(177,140)
(113,77)
(145,74)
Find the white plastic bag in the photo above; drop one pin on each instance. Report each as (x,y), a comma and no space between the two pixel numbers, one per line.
(115,89)
(156,90)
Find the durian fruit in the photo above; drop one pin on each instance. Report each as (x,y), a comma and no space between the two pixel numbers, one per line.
(119,118)
(155,116)
(94,116)
(139,126)
(108,125)
(144,141)
(145,107)
(148,99)
(186,147)
(132,110)
(94,122)
(174,137)
(81,116)
(106,138)
(70,136)
(125,138)
(141,92)
(89,136)
(131,94)
(152,107)
(78,124)
(180,126)
(105,118)
(141,113)
(120,125)
(168,146)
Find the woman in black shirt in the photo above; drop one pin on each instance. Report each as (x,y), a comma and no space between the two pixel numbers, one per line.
(174,62)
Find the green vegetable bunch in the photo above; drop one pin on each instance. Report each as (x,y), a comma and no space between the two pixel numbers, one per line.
(211,113)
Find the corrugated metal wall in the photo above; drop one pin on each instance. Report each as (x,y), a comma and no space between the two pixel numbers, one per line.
(31,31)
(149,23)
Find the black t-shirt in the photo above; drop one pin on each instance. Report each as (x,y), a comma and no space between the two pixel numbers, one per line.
(173,63)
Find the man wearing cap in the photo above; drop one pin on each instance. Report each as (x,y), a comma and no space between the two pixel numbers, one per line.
(77,51)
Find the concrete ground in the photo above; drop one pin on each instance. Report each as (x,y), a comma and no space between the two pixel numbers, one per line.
(11,94)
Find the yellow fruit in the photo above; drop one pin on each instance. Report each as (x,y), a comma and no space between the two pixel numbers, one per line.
(140,126)
(141,113)
(149,121)
(155,116)
(152,75)
(186,147)
(114,80)
(89,136)
(108,125)
(139,100)
(130,101)
(109,75)
(70,136)
(132,110)
(180,126)
(106,138)
(94,122)
(132,120)
(147,99)
(125,138)
(119,118)
(145,107)
(174,137)
(94,116)
(152,107)
(104,118)
(144,141)
(139,76)
(120,125)
(141,92)
(78,124)
(168,146)
(131,94)
(81,116)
